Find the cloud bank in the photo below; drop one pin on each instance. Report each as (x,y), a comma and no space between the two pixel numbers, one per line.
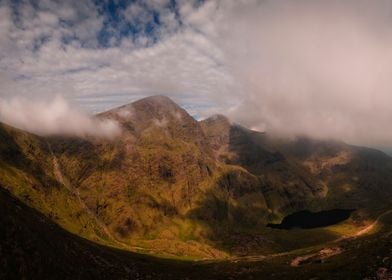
(54,117)
(313,67)
(319,68)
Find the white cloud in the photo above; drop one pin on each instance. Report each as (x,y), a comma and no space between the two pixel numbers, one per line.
(54,117)
(313,67)
(293,67)
(181,65)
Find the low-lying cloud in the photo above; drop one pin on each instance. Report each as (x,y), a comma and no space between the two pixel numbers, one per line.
(54,117)
(319,68)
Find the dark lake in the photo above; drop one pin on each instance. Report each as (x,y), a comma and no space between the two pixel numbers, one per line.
(307,220)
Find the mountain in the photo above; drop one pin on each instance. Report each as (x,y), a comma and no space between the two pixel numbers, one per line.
(356,176)
(284,183)
(170,185)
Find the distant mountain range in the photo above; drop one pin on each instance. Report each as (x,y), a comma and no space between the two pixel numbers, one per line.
(172,186)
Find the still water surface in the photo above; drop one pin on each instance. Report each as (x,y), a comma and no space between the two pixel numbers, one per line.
(307,220)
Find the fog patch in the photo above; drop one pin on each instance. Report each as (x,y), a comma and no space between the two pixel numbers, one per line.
(126,113)
(54,117)
(319,68)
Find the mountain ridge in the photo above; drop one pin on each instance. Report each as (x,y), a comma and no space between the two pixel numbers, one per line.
(210,187)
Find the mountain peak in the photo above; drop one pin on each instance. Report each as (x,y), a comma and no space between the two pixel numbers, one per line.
(156,98)
(152,106)
(156,114)
(158,107)
(218,118)
(156,101)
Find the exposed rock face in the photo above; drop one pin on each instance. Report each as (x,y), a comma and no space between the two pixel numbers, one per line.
(354,175)
(284,184)
(169,177)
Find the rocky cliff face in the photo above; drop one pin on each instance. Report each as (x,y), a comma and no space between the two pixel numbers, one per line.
(284,183)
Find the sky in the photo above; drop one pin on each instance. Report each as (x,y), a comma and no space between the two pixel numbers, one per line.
(305,67)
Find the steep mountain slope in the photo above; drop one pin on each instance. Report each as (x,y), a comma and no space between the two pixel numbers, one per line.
(162,180)
(27,170)
(285,184)
(142,185)
(34,247)
(332,172)
(169,185)
(356,176)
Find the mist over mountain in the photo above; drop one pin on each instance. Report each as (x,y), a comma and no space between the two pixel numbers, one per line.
(169,185)
(305,68)
(172,186)
(54,117)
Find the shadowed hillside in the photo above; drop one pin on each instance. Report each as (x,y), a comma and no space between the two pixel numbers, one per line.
(33,247)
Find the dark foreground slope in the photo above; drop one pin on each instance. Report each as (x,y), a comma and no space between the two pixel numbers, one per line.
(33,247)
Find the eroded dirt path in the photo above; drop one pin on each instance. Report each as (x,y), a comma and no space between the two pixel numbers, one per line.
(364,230)
(332,251)
(316,257)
